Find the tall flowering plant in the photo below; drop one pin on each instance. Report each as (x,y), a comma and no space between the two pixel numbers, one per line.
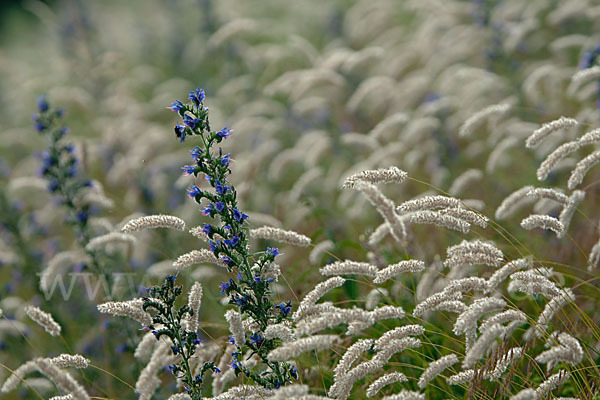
(60,168)
(249,288)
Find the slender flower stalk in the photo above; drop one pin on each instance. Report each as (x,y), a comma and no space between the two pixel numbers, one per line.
(173,324)
(228,238)
(60,168)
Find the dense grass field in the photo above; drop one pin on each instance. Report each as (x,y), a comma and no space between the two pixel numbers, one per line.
(386,199)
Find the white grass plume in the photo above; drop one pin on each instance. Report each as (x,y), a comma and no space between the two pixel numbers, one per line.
(465,179)
(297,347)
(501,274)
(192,322)
(392,270)
(235,326)
(544,222)
(581,169)
(153,221)
(583,76)
(428,203)
(280,235)
(62,379)
(383,381)
(481,345)
(385,207)
(320,248)
(546,129)
(435,368)
(381,175)
(348,267)
(398,333)
(314,295)
(113,237)
(465,215)
(553,158)
(440,219)
(502,317)
(569,209)
(467,321)
(131,308)
(44,320)
(590,137)
(196,257)
(351,355)
(505,361)
(477,119)
(549,193)
(514,202)
(568,350)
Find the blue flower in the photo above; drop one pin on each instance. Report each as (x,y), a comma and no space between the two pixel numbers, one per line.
(42,103)
(233,241)
(587,60)
(122,348)
(82,216)
(234,365)
(53,185)
(194,191)
(224,133)
(225,159)
(241,300)
(176,106)
(227,260)
(189,169)
(39,126)
(285,308)
(191,122)
(208,210)
(257,339)
(196,153)
(175,350)
(273,251)
(180,132)
(220,189)
(239,216)
(293,372)
(63,131)
(207,229)
(257,279)
(197,96)
(224,288)
(217,370)
(171,278)
(197,341)
(71,170)
(214,245)
(219,206)
(231,339)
